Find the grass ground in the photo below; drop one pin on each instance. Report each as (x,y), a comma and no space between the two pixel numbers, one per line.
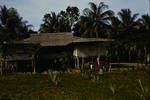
(110,86)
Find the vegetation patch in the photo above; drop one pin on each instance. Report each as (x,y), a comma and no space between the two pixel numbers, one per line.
(110,86)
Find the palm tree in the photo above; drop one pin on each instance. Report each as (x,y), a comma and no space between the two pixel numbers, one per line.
(127,20)
(60,22)
(114,28)
(145,22)
(63,22)
(125,25)
(12,23)
(72,14)
(96,20)
(3,14)
(50,23)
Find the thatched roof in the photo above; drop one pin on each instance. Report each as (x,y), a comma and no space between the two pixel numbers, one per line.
(59,39)
(79,40)
(50,39)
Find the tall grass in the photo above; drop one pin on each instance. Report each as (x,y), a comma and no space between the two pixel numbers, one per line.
(142,91)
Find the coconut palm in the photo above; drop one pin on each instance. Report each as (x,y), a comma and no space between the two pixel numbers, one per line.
(72,14)
(12,23)
(3,20)
(145,22)
(60,22)
(114,28)
(3,15)
(127,20)
(50,23)
(63,21)
(96,20)
(55,23)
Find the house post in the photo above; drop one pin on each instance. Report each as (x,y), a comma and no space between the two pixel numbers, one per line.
(82,63)
(145,53)
(129,55)
(109,69)
(75,62)
(33,64)
(78,63)
(1,67)
(5,67)
(98,63)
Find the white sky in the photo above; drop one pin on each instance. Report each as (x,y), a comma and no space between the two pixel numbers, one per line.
(33,10)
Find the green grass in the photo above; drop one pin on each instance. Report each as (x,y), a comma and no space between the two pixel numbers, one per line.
(72,87)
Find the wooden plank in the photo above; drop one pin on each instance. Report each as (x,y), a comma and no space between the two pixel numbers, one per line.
(125,64)
(1,68)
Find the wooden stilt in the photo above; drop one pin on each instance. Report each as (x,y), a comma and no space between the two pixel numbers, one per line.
(98,63)
(82,63)
(78,63)
(145,49)
(129,55)
(5,67)
(33,64)
(109,67)
(1,69)
(75,62)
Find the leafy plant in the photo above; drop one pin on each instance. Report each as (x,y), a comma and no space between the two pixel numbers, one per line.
(55,76)
(114,90)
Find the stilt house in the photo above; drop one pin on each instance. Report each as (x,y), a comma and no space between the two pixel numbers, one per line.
(46,50)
